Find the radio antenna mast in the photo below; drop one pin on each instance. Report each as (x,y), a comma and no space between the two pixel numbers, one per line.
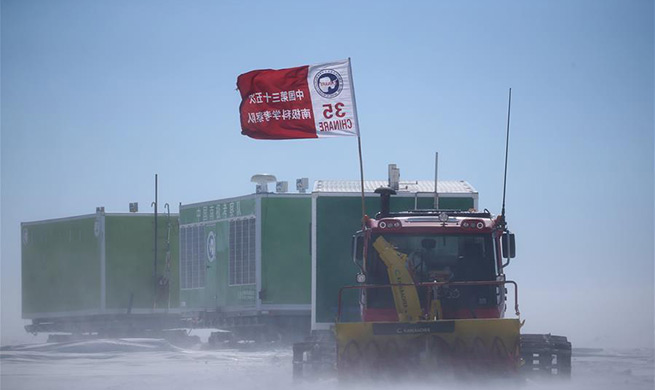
(509,109)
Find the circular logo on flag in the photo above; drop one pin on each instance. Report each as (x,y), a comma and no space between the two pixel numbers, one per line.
(211,246)
(328,83)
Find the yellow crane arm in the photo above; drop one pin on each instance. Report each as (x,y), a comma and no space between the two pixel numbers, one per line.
(406,299)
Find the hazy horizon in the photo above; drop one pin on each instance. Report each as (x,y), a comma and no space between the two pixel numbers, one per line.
(97,97)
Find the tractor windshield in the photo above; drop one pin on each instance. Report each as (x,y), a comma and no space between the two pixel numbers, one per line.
(435,258)
(441,257)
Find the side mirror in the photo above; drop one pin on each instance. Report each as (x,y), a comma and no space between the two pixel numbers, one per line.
(508,245)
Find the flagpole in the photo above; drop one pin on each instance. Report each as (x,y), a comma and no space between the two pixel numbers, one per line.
(359,142)
(361,175)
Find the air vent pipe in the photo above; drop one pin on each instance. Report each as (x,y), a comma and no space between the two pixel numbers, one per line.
(385,200)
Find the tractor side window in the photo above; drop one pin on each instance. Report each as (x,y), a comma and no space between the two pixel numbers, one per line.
(496,256)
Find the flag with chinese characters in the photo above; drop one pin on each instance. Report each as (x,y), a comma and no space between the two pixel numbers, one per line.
(310,101)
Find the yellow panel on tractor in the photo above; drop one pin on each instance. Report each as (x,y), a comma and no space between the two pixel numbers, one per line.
(448,346)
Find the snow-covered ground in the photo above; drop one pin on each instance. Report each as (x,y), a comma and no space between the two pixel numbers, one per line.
(155,364)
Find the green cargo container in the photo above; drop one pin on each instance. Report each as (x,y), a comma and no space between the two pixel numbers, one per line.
(99,264)
(337,214)
(246,258)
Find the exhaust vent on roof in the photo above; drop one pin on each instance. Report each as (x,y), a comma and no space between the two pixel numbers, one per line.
(302,184)
(282,186)
(394,177)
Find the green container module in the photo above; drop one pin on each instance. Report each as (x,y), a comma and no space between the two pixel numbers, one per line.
(246,261)
(99,265)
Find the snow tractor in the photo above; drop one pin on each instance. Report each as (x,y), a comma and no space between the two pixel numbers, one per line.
(433,294)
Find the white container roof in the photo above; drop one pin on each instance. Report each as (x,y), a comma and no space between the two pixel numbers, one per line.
(411,186)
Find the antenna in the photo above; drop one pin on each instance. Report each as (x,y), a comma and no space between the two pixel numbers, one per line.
(509,108)
(154,301)
(436,170)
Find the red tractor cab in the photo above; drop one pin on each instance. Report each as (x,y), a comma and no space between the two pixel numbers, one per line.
(453,257)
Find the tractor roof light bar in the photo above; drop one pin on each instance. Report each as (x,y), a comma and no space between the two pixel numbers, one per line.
(431,212)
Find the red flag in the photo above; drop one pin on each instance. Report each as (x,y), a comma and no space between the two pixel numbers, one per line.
(302,102)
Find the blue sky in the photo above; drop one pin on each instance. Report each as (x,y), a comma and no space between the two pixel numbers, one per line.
(99,96)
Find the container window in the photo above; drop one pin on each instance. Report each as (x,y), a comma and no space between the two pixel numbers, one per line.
(192,259)
(242,251)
